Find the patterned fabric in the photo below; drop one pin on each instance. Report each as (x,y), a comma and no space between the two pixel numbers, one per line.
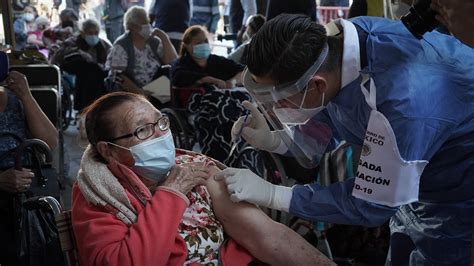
(105,185)
(146,63)
(215,113)
(13,121)
(199,227)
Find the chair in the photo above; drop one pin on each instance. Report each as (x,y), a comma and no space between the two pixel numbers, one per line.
(67,238)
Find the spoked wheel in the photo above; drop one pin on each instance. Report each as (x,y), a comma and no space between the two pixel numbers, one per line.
(183,137)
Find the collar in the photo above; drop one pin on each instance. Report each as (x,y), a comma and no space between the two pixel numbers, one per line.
(350,69)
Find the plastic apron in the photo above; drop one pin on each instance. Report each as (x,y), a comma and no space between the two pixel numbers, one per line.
(383,176)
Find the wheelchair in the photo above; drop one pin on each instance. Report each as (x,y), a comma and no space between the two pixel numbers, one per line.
(33,57)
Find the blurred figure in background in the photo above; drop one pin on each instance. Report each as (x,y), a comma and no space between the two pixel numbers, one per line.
(67,27)
(113,18)
(85,55)
(23,25)
(239,13)
(254,23)
(277,7)
(171,16)
(35,37)
(206,13)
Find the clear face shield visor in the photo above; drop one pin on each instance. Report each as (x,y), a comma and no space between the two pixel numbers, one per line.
(305,136)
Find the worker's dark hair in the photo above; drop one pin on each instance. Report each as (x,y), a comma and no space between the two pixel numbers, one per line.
(98,117)
(286,46)
(256,22)
(188,36)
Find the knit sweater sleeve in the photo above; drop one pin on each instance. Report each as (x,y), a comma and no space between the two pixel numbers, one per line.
(103,239)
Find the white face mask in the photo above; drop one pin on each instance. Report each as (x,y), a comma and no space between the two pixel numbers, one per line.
(300,115)
(29,17)
(145,31)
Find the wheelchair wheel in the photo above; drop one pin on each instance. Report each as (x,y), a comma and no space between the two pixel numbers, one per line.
(182,135)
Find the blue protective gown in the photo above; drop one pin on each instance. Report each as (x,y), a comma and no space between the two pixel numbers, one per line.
(426,90)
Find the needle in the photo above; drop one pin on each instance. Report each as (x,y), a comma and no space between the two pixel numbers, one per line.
(234,146)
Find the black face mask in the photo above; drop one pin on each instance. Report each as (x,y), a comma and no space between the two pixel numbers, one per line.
(65,24)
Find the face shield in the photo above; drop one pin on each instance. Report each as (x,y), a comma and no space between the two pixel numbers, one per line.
(298,127)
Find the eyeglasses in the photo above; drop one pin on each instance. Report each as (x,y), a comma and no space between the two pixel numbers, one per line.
(147,130)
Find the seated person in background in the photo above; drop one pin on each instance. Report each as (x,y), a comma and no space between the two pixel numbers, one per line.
(23,25)
(85,55)
(35,37)
(53,37)
(254,23)
(215,110)
(20,115)
(196,65)
(140,51)
(133,206)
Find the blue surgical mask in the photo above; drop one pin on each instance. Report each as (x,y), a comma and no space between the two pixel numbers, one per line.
(201,51)
(92,40)
(153,158)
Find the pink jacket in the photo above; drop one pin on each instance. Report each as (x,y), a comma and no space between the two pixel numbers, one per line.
(103,239)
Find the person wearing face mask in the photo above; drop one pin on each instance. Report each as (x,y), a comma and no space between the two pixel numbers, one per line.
(138,201)
(197,67)
(23,25)
(409,106)
(254,23)
(35,37)
(55,36)
(140,51)
(84,56)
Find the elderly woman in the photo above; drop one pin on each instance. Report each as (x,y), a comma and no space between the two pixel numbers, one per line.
(85,55)
(140,51)
(139,202)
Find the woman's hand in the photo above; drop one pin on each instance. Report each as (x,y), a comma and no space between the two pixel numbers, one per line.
(15,181)
(185,177)
(159,33)
(18,83)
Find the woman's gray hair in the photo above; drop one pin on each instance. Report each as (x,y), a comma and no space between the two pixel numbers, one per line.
(132,16)
(89,24)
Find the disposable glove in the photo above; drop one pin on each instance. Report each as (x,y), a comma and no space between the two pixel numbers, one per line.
(256,131)
(244,185)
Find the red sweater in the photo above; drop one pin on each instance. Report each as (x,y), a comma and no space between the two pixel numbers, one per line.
(103,239)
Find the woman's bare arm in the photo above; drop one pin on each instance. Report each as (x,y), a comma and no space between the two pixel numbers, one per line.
(265,239)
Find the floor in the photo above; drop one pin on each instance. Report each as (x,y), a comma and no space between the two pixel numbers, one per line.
(74,146)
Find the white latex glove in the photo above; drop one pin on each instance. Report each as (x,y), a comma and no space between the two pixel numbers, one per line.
(244,185)
(256,131)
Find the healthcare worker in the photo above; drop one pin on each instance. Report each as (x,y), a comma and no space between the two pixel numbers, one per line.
(408,103)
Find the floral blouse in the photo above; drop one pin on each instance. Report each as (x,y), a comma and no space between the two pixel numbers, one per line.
(12,121)
(146,63)
(199,227)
